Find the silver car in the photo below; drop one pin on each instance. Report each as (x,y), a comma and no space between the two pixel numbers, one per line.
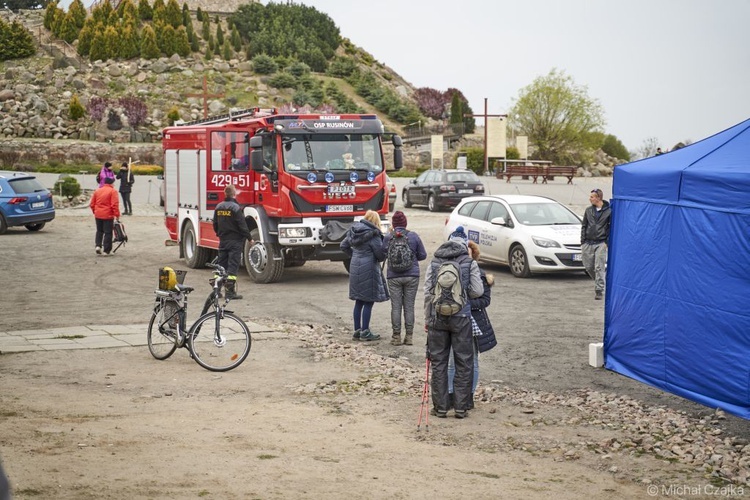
(530,234)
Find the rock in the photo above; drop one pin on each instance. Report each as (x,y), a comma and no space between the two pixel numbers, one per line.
(6,95)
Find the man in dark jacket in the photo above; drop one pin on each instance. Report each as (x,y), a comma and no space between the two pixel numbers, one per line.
(126,186)
(454,331)
(594,237)
(231,228)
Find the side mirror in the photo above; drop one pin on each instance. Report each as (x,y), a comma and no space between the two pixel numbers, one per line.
(398,155)
(499,221)
(396,140)
(413,181)
(160,177)
(256,160)
(256,142)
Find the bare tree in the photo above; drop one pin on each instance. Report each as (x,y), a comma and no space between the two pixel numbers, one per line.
(647,149)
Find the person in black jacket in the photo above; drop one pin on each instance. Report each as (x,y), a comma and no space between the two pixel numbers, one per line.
(594,237)
(231,228)
(126,186)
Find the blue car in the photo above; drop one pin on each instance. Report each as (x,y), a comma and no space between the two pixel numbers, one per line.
(24,202)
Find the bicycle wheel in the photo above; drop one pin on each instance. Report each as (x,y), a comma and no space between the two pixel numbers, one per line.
(219,343)
(162,338)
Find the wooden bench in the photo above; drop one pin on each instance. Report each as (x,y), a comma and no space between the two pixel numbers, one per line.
(552,171)
(545,172)
(525,170)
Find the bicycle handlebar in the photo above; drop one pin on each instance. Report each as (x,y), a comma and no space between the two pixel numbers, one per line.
(217,268)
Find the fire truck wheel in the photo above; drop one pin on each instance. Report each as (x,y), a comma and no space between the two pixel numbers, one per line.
(260,262)
(195,256)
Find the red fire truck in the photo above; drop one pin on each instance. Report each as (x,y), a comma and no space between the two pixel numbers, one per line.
(302,180)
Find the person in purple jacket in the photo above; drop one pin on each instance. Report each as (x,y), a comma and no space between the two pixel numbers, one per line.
(403,275)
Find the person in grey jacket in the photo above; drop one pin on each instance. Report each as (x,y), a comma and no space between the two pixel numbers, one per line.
(403,285)
(452,332)
(364,244)
(594,237)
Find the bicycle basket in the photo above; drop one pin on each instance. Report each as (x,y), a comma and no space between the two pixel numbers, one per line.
(169,278)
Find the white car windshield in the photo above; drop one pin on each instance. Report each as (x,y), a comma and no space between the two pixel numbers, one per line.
(543,214)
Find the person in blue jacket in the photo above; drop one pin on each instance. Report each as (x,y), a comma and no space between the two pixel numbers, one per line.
(364,244)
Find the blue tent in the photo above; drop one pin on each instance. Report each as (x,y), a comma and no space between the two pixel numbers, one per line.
(677,314)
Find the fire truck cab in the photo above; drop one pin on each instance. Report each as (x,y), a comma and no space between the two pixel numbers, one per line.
(302,180)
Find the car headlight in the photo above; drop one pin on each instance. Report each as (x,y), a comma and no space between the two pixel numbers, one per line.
(293,232)
(480,188)
(544,242)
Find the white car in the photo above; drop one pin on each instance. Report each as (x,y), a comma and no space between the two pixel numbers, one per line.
(530,234)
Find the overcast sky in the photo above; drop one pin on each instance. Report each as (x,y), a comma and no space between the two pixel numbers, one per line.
(675,70)
(672,69)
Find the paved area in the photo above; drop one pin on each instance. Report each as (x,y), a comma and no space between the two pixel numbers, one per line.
(97,337)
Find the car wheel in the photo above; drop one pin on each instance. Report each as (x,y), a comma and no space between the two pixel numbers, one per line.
(35,227)
(195,256)
(3,224)
(519,263)
(262,260)
(432,204)
(405,198)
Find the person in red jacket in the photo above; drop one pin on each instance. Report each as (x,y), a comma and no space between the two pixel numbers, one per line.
(106,207)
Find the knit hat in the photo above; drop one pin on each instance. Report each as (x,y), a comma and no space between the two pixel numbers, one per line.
(108,164)
(398,219)
(459,236)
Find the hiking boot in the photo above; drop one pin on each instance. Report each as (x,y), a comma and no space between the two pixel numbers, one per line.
(232,294)
(438,413)
(396,339)
(598,295)
(461,414)
(368,335)
(407,339)
(356,335)
(98,250)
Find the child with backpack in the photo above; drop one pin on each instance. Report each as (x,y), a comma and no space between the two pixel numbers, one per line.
(404,250)
(452,278)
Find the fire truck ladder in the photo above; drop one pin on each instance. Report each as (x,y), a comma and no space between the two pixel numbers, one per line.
(231,116)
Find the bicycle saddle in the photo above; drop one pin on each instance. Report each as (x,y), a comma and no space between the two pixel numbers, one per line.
(183,288)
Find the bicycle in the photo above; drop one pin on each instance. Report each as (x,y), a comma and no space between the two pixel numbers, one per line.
(218,340)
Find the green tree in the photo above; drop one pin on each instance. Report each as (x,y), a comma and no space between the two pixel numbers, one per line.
(78,11)
(50,13)
(173,14)
(182,43)
(98,51)
(129,43)
(168,40)
(613,147)
(205,28)
(186,19)
(15,41)
(85,36)
(111,42)
(457,109)
(557,115)
(145,12)
(264,64)
(75,109)
(199,15)
(219,35)
(159,12)
(126,9)
(67,29)
(149,48)
(236,39)
(209,53)
(226,50)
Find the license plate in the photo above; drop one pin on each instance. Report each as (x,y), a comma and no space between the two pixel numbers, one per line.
(577,257)
(341,189)
(38,204)
(339,208)
(465,191)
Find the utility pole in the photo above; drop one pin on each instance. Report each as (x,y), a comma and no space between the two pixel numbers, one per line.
(485,116)
(205,95)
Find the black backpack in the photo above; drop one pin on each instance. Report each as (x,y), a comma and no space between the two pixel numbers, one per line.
(400,254)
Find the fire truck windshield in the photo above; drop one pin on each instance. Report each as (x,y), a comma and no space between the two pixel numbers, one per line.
(331,152)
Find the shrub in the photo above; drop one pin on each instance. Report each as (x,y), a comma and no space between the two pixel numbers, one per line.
(96,107)
(68,187)
(173,115)
(264,65)
(135,109)
(282,81)
(75,109)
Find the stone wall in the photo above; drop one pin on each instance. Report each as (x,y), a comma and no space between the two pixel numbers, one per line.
(19,153)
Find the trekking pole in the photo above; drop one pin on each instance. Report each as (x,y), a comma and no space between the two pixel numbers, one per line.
(423,407)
